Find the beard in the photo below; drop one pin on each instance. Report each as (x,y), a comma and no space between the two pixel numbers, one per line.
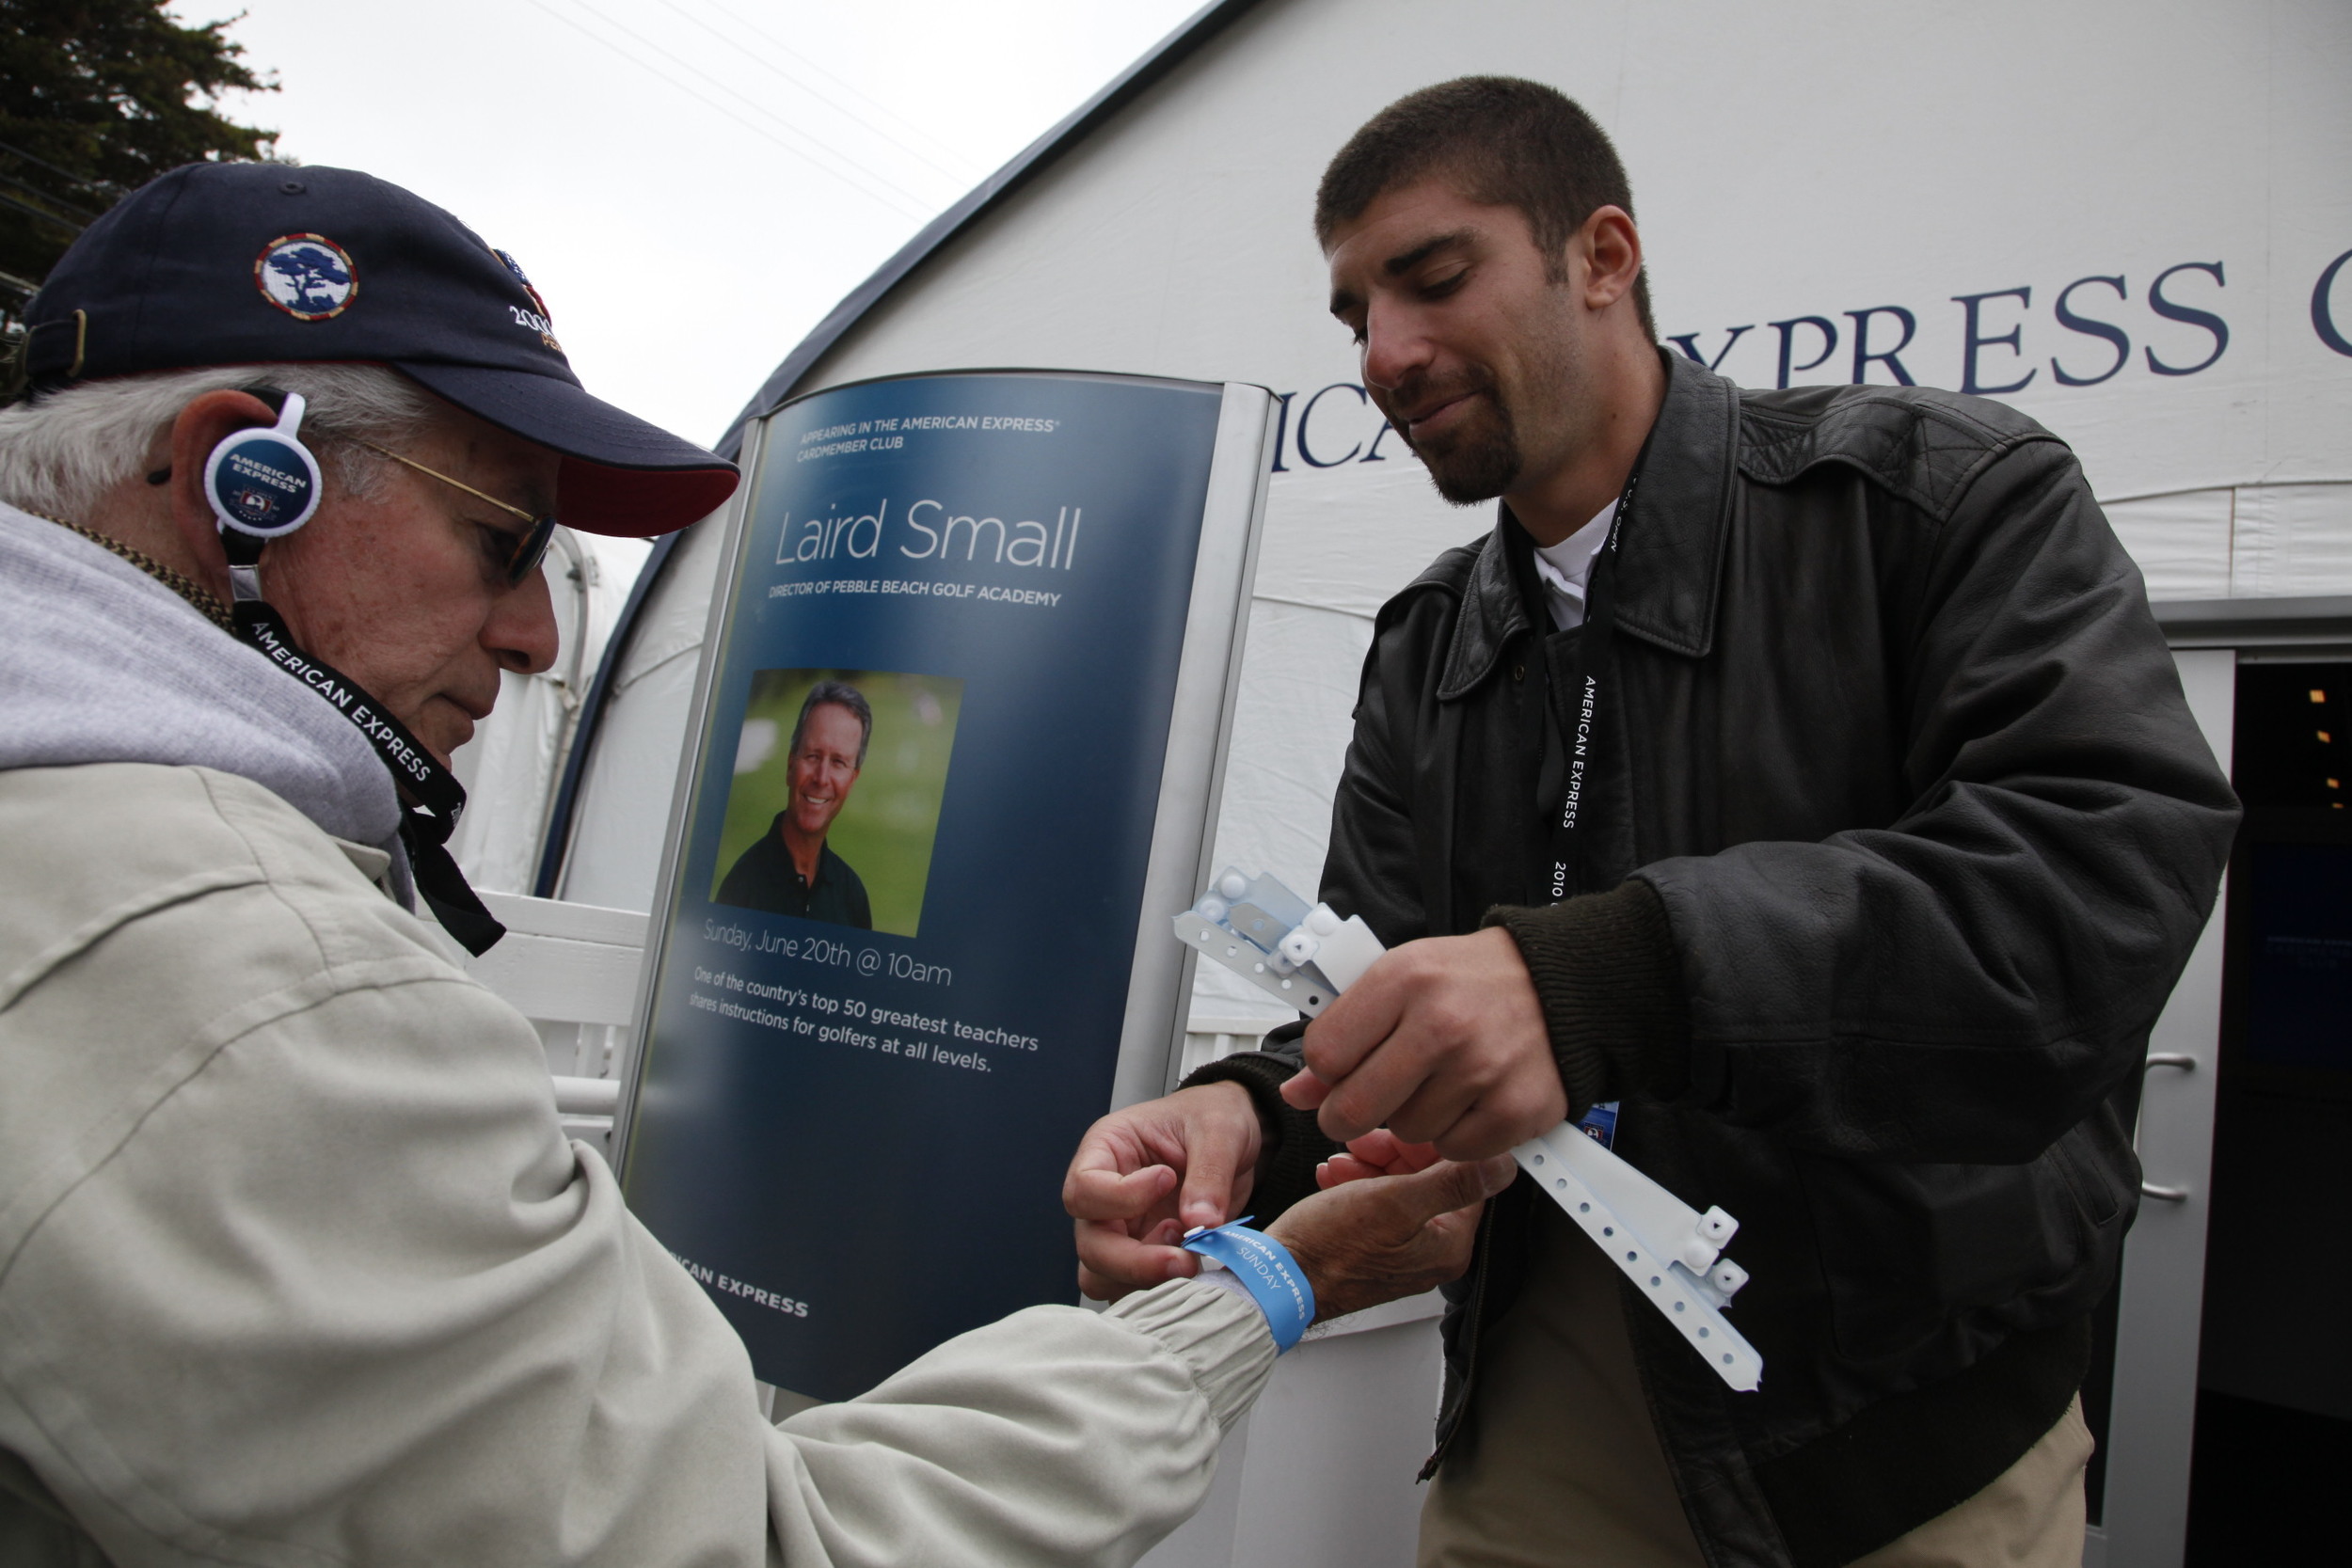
(1480,459)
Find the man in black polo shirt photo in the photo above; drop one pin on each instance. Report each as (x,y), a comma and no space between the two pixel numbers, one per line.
(790,870)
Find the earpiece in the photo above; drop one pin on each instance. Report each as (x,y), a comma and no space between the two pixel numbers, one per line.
(263,483)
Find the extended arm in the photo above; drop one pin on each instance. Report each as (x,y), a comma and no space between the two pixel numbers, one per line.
(322,1279)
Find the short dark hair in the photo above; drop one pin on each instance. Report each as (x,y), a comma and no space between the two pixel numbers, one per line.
(1509,143)
(840,694)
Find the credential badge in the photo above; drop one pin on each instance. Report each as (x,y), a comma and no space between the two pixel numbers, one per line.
(308,277)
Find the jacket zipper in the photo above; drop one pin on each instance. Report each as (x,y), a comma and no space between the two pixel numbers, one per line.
(1475,1311)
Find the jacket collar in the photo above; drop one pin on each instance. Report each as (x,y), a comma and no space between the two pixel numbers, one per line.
(1669,562)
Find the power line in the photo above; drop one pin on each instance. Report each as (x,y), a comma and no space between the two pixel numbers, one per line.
(46,217)
(106,185)
(832,77)
(922,203)
(922,207)
(81,217)
(964,175)
(760,131)
(837,105)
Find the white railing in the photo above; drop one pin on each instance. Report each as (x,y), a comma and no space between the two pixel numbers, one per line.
(1207,1038)
(572,970)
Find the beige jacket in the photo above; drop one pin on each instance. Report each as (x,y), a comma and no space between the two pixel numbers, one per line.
(296,1268)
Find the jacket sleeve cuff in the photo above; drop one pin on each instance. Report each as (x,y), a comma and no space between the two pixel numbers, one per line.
(1291,1145)
(1222,1340)
(1610,981)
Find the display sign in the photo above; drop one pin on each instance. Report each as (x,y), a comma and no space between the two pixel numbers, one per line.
(955,752)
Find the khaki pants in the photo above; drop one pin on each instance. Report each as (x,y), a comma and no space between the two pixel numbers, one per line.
(1565,1470)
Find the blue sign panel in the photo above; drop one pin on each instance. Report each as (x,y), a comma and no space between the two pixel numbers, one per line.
(904,909)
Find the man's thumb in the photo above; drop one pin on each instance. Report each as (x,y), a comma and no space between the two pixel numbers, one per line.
(1208,1182)
(1452,1184)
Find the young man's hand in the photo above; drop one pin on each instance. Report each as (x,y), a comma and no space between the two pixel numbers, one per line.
(1442,1042)
(1379,1152)
(1144,1175)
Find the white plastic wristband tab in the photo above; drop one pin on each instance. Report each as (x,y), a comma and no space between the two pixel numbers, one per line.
(1266,1270)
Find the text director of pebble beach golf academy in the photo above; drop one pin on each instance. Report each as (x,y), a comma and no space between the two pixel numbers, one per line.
(295,1263)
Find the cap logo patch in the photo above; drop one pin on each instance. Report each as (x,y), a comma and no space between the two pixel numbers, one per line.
(308,277)
(536,320)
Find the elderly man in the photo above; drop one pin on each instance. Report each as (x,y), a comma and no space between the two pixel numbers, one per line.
(792,870)
(296,1265)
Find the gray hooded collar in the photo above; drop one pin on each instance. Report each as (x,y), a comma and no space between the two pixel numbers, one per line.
(98,662)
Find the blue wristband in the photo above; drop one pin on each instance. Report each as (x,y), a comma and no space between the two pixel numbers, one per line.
(1266,1270)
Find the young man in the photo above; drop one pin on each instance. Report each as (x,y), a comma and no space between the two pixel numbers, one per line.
(295,1263)
(1802,769)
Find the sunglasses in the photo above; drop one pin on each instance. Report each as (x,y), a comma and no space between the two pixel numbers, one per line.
(531,545)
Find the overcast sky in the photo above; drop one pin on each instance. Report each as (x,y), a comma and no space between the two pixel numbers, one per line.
(692,184)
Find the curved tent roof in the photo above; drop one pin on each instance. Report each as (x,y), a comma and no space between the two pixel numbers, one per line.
(779,388)
(2122,220)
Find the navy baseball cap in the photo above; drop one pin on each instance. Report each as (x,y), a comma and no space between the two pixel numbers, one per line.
(256,264)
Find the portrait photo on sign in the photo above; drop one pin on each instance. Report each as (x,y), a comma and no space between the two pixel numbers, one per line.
(838,778)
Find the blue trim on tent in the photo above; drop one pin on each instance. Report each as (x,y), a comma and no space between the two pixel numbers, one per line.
(1033,160)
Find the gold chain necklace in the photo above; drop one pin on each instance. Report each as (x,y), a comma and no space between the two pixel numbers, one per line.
(186,587)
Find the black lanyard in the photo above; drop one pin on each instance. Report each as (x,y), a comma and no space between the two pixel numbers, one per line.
(431,797)
(1574,710)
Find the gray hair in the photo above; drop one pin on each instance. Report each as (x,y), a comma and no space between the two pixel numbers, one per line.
(60,452)
(840,694)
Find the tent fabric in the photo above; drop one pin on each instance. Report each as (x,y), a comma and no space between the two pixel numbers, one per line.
(1169,236)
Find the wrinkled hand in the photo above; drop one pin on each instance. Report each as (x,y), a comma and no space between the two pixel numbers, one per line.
(1442,1042)
(1144,1175)
(1376,1239)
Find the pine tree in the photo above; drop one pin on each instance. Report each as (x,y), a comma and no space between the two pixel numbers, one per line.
(97,97)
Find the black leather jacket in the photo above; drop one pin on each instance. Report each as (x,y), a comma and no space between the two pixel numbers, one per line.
(1911,770)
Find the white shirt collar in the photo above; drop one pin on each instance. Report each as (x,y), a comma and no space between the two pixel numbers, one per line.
(1565,568)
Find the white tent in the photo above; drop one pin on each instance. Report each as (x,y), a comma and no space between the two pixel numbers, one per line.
(511,767)
(1813,185)
(2130,219)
